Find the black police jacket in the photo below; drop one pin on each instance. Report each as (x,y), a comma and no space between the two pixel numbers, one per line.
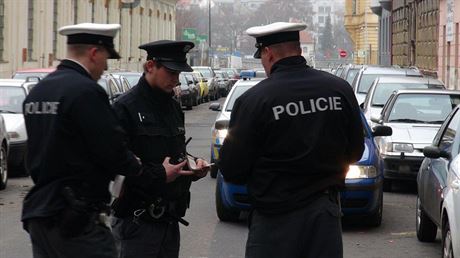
(292,136)
(154,123)
(74,138)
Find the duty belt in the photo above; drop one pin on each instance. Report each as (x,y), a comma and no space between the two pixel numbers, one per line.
(156,211)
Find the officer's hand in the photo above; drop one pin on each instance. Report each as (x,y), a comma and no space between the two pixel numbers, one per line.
(174,171)
(202,168)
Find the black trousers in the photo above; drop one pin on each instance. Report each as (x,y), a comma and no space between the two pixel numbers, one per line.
(314,231)
(146,239)
(95,242)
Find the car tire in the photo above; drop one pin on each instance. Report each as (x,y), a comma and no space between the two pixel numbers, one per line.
(387,185)
(447,248)
(224,213)
(375,219)
(3,168)
(425,227)
(213,171)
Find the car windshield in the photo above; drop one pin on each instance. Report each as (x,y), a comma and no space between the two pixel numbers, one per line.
(423,108)
(237,92)
(205,72)
(383,91)
(351,75)
(24,76)
(103,83)
(220,75)
(367,79)
(11,99)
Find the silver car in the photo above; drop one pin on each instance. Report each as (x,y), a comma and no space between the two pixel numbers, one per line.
(366,76)
(414,116)
(383,87)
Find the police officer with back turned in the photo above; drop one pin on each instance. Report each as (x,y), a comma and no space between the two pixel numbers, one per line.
(75,147)
(147,219)
(291,139)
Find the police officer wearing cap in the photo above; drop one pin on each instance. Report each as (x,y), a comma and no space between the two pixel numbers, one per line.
(75,147)
(291,139)
(146,221)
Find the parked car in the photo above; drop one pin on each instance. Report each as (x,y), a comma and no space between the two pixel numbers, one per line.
(383,87)
(210,76)
(233,75)
(203,86)
(23,74)
(111,86)
(415,116)
(132,77)
(194,83)
(4,148)
(350,71)
(188,92)
(368,74)
(12,94)
(223,82)
(438,199)
(122,81)
(363,194)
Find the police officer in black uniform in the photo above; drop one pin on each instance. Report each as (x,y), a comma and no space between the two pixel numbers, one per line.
(146,222)
(75,147)
(291,139)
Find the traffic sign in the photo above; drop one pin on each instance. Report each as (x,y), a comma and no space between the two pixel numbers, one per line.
(189,34)
(343,53)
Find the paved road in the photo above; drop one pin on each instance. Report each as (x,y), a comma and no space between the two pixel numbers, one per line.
(208,237)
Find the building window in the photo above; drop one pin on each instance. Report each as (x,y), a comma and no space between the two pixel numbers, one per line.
(55,21)
(2,25)
(92,11)
(328,10)
(321,19)
(321,9)
(353,7)
(30,29)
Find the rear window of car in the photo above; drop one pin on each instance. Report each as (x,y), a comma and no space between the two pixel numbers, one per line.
(207,73)
(383,91)
(367,79)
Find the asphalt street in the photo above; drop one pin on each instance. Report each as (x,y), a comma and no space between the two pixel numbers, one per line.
(208,237)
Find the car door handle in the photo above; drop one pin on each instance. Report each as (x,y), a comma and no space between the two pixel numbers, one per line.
(455,184)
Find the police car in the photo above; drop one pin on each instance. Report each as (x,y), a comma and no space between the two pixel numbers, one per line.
(363,194)
(12,94)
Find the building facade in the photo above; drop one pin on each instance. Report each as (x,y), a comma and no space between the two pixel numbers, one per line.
(448,41)
(382,8)
(362,25)
(29,37)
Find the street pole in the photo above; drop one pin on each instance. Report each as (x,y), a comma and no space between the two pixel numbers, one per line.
(209,34)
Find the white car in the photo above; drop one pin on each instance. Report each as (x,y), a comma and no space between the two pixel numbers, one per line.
(12,94)
(415,116)
(4,147)
(383,87)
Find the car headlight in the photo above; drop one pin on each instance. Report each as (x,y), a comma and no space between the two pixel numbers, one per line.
(219,135)
(13,135)
(356,172)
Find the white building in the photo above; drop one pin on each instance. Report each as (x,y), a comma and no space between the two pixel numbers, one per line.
(29,38)
(322,9)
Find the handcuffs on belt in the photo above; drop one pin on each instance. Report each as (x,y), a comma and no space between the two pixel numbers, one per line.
(156,211)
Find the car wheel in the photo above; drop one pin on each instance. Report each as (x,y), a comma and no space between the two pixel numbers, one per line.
(3,168)
(224,213)
(425,227)
(213,172)
(447,249)
(387,184)
(375,219)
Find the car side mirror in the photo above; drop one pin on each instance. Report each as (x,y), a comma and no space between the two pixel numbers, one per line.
(376,119)
(381,130)
(434,152)
(189,82)
(214,106)
(205,80)
(221,124)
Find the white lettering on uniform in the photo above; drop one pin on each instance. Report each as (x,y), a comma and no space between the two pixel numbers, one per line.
(39,108)
(277,111)
(302,108)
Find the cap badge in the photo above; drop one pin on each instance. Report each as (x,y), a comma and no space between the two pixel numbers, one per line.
(187,48)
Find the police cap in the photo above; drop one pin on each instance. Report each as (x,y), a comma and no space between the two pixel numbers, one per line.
(93,34)
(171,54)
(275,33)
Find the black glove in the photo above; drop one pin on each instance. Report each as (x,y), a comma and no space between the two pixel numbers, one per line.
(150,182)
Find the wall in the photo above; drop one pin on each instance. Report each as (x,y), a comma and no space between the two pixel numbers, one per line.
(448,51)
